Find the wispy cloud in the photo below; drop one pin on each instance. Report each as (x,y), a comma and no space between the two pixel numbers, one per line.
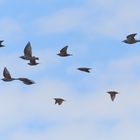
(65,20)
(9,27)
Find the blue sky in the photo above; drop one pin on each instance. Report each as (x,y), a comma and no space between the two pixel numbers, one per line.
(93,29)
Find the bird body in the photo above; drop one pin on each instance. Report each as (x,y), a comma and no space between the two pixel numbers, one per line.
(59,101)
(130,39)
(112,94)
(84,69)
(33,61)
(63,52)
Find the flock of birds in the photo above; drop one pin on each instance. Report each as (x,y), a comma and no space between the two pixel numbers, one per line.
(130,39)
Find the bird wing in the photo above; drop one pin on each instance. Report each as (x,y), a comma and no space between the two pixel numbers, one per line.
(55,100)
(64,50)
(28,50)
(1,42)
(84,69)
(26,81)
(131,36)
(6,73)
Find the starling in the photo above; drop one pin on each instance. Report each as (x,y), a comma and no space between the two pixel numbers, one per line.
(58,101)
(33,61)
(63,52)
(28,52)
(26,81)
(84,69)
(112,94)
(130,39)
(7,75)
(1,43)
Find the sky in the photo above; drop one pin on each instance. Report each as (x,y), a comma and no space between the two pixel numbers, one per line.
(93,30)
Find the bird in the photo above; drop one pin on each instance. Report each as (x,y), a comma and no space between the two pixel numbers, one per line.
(26,81)
(1,43)
(112,94)
(7,75)
(33,61)
(130,39)
(28,52)
(63,52)
(84,69)
(59,101)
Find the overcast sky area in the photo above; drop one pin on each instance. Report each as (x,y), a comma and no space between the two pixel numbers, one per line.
(93,30)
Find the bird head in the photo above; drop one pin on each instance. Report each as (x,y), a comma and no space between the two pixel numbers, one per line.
(21,57)
(124,41)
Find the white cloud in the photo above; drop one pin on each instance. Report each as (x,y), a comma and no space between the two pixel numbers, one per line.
(87,19)
(77,118)
(80,117)
(68,19)
(121,21)
(9,28)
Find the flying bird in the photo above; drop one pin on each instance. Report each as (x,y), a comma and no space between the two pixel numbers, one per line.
(1,43)
(28,52)
(59,101)
(26,81)
(63,52)
(7,75)
(130,39)
(84,69)
(33,61)
(112,94)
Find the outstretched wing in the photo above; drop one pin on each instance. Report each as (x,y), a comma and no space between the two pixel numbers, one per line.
(131,36)
(1,41)
(64,50)
(55,100)
(28,50)
(26,81)
(6,73)
(84,69)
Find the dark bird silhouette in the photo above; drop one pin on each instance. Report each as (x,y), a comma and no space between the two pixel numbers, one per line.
(28,52)
(112,94)
(1,43)
(130,39)
(59,101)
(84,69)
(26,81)
(33,61)
(63,52)
(7,75)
